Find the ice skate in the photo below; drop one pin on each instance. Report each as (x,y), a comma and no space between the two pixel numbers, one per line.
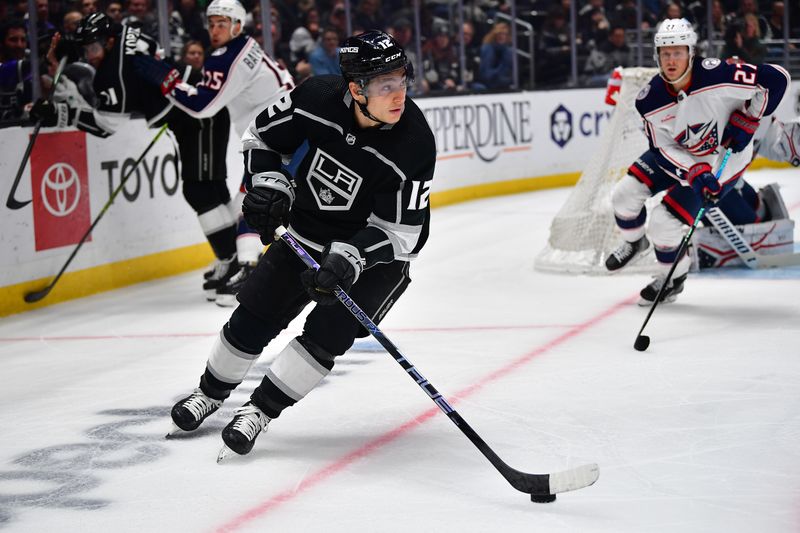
(226,293)
(626,252)
(224,270)
(211,269)
(190,412)
(649,293)
(240,434)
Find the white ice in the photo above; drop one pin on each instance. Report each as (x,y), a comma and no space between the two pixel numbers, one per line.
(700,433)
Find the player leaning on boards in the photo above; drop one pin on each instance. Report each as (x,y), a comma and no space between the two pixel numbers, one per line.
(240,77)
(100,98)
(358,200)
(684,108)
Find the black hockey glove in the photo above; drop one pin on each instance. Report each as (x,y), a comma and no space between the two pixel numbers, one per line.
(341,265)
(703,181)
(739,131)
(266,205)
(44,110)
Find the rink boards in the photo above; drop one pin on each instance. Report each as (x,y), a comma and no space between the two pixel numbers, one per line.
(487,145)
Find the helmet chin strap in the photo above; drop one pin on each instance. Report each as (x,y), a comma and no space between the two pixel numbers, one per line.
(363,107)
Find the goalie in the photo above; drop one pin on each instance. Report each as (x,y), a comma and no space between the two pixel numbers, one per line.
(685,107)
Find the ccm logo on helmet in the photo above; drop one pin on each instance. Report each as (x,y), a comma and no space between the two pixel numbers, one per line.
(349,49)
(392,58)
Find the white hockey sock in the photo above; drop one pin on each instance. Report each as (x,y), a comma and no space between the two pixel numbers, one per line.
(295,372)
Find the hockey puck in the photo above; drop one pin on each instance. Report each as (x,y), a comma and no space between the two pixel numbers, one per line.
(543,498)
(642,342)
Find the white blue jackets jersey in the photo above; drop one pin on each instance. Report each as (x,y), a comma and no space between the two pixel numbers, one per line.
(687,128)
(239,76)
(368,187)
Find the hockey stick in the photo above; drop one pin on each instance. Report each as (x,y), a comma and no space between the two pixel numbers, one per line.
(643,341)
(541,487)
(750,257)
(13,203)
(35,296)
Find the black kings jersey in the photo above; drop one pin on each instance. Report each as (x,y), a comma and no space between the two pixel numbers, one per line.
(368,187)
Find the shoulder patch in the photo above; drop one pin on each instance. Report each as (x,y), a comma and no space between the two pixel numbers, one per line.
(219,51)
(711,63)
(644,92)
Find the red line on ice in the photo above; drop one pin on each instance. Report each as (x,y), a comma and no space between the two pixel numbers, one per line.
(342,463)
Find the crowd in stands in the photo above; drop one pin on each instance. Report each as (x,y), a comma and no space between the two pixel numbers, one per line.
(306,34)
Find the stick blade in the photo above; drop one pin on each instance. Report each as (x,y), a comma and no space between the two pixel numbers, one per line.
(14,204)
(35,296)
(642,343)
(574,479)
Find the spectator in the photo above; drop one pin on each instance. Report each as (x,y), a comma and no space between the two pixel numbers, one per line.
(191,17)
(14,39)
(114,11)
(743,40)
(472,53)
(554,48)
(750,7)
(440,62)
(89,6)
(496,58)
(403,32)
(775,22)
(625,16)
(306,36)
(612,53)
(368,15)
(324,59)
(193,54)
(44,26)
(337,19)
(70,22)
(139,14)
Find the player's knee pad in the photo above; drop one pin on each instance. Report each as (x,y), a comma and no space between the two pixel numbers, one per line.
(628,200)
(295,371)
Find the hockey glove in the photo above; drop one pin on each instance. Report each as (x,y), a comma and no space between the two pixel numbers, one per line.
(739,131)
(49,113)
(156,72)
(703,181)
(266,205)
(341,265)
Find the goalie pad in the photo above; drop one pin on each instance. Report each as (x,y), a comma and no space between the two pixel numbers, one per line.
(710,249)
(781,142)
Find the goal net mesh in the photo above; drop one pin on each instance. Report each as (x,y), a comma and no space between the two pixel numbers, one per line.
(584,233)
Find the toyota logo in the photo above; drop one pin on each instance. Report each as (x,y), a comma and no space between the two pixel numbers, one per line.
(61,189)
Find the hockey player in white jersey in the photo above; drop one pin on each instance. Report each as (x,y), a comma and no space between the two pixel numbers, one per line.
(239,76)
(692,110)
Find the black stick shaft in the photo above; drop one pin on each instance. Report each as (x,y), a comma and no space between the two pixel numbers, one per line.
(11,202)
(35,296)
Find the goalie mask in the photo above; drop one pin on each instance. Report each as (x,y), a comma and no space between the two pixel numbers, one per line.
(674,32)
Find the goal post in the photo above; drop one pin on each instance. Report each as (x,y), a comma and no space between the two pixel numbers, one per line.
(583,232)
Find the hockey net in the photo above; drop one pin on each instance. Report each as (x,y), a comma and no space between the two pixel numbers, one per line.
(584,233)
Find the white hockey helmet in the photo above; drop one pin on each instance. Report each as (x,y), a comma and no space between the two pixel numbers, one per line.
(675,32)
(231,9)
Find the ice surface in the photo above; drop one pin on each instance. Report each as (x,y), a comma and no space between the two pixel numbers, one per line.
(700,433)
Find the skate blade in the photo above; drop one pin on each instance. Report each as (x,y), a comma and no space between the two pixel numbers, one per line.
(225,453)
(175,430)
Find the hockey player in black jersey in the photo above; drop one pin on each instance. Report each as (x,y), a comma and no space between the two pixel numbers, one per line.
(128,79)
(358,201)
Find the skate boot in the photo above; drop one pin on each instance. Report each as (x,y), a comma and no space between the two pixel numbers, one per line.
(226,293)
(240,434)
(626,252)
(211,269)
(649,293)
(224,270)
(190,412)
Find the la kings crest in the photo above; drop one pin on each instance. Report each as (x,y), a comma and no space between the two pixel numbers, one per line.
(333,184)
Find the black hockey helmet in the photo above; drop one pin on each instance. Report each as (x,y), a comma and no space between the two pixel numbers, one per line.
(371,54)
(95,27)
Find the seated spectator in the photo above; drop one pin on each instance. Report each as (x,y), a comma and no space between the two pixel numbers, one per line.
(472,53)
(191,18)
(13,40)
(612,53)
(750,7)
(140,14)
(193,54)
(368,15)
(775,22)
(306,36)
(113,10)
(15,76)
(440,63)
(497,58)
(553,53)
(324,59)
(70,22)
(743,40)
(89,6)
